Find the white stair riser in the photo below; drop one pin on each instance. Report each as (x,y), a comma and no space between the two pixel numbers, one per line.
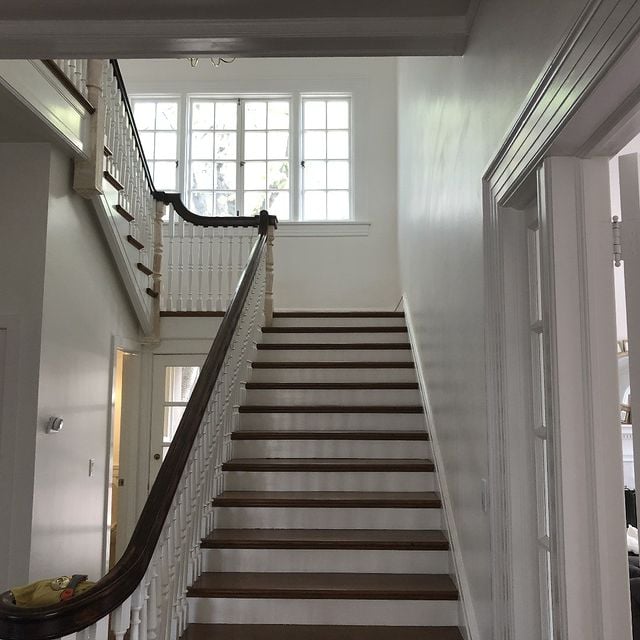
(339,322)
(333,375)
(334,355)
(325,561)
(347,421)
(325,518)
(333,396)
(328,481)
(327,612)
(364,449)
(341,338)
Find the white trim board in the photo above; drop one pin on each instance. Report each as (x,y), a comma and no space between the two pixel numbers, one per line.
(468,620)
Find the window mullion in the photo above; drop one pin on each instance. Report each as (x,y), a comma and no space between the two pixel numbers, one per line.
(295,150)
(240,159)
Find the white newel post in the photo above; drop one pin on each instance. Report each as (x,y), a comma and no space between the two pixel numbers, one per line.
(268,295)
(87,178)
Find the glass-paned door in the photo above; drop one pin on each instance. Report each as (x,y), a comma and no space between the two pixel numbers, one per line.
(174,377)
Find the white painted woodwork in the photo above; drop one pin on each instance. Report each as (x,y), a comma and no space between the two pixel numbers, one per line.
(334,355)
(329,481)
(334,375)
(410,397)
(313,421)
(325,561)
(324,321)
(342,338)
(340,612)
(362,449)
(326,518)
(42,93)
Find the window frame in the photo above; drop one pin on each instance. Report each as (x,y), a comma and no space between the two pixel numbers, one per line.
(296,179)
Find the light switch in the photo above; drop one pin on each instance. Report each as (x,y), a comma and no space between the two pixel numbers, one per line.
(92,464)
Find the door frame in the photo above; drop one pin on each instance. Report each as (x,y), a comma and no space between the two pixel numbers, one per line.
(132,444)
(584,100)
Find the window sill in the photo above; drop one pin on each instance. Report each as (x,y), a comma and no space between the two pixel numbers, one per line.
(351,228)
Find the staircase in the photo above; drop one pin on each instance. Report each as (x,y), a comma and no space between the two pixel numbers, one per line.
(330,526)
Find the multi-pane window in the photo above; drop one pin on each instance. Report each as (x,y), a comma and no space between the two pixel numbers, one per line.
(266,157)
(288,155)
(157,122)
(213,156)
(326,159)
(179,383)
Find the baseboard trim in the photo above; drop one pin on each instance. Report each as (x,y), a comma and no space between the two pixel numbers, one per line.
(468,621)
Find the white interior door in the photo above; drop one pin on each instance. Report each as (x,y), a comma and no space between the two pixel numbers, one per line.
(629,170)
(174,377)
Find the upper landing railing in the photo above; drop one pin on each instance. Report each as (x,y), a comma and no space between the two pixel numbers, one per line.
(144,596)
(171,259)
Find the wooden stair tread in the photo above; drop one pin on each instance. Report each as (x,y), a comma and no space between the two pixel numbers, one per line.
(336,329)
(315,632)
(333,365)
(328,464)
(338,314)
(334,386)
(302,585)
(329,435)
(333,346)
(381,539)
(331,499)
(330,408)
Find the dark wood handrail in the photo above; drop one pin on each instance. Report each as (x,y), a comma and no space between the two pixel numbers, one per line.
(56,621)
(68,85)
(175,198)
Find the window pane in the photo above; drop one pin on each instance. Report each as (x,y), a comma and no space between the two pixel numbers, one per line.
(278,204)
(278,145)
(315,114)
(278,115)
(164,175)
(255,175)
(255,145)
(338,114)
(225,176)
(254,202)
(226,204)
(172,417)
(179,383)
(338,144)
(338,174)
(166,146)
(202,175)
(278,175)
(226,115)
(338,205)
(225,146)
(315,175)
(255,115)
(202,203)
(202,146)
(315,205)
(145,115)
(167,116)
(148,143)
(315,145)
(202,115)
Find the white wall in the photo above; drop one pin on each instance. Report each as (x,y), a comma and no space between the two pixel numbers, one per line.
(453,114)
(84,306)
(23,220)
(317,272)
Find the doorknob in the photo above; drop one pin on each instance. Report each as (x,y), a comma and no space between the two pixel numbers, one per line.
(156,456)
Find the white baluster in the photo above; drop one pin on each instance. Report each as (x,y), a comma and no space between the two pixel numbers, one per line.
(170,265)
(137,600)
(87,634)
(120,619)
(210,267)
(181,252)
(230,267)
(201,259)
(219,304)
